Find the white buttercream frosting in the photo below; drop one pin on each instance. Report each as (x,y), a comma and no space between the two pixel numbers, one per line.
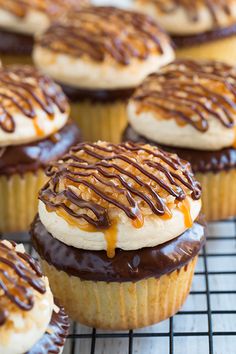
(183,18)
(32,106)
(129,50)
(24,328)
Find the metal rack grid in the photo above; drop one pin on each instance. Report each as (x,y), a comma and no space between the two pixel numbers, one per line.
(205,325)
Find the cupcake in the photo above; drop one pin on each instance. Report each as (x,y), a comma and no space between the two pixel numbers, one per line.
(189,107)
(117,229)
(21,20)
(99,55)
(200,29)
(34,130)
(30,322)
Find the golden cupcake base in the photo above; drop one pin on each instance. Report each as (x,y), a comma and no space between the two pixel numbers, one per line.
(223,49)
(16,59)
(100,121)
(219,194)
(117,305)
(19,202)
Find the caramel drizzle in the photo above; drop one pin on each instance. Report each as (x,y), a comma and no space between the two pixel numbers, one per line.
(19,273)
(22,89)
(107,166)
(98,31)
(20,8)
(192,7)
(189,92)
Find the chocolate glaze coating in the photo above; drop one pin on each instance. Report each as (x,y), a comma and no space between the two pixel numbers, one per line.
(104,96)
(15,43)
(53,340)
(201,160)
(126,265)
(192,40)
(35,155)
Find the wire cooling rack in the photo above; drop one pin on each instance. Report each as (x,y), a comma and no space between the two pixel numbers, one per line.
(205,325)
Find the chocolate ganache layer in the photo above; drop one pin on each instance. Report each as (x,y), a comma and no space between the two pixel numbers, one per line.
(209,36)
(15,43)
(105,96)
(125,265)
(35,155)
(201,160)
(54,338)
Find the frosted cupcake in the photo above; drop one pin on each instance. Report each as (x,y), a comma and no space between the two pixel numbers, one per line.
(34,130)
(99,55)
(21,20)
(30,322)
(190,108)
(200,29)
(117,228)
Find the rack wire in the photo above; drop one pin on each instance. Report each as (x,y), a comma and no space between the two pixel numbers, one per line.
(205,325)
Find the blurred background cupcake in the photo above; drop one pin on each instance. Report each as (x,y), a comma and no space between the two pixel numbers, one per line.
(34,130)
(30,322)
(99,55)
(118,223)
(200,29)
(20,20)
(190,108)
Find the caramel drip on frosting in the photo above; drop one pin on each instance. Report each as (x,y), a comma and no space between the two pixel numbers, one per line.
(192,7)
(96,183)
(20,8)
(22,90)
(98,32)
(19,276)
(191,92)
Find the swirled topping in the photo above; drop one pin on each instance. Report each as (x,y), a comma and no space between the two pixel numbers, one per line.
(20,278)
(197,94)
(101,33)
(20,8)
(31,105)
(96,185)
(189,17)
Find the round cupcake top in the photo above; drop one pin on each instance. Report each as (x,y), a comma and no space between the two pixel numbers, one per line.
(97,47)
(32,106)
(32,16)
(26,302)
(183,17)
(103,196)
(187,104)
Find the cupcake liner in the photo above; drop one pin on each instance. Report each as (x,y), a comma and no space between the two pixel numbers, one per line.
(18,202)
(121,306)
(100,121)
(223,49)
(219,194)
(16,59)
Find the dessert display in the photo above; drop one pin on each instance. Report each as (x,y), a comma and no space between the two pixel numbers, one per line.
(200,29)
(30,322)
(189,107)
(20,20)
(34,130)
(117,228)
(99,55)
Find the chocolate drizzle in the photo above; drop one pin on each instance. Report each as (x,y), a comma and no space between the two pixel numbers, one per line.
(54,338)
(126,265)
(98,32)
(19,276)
(136,179)
(192,7)
(22,90)
(190,92)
